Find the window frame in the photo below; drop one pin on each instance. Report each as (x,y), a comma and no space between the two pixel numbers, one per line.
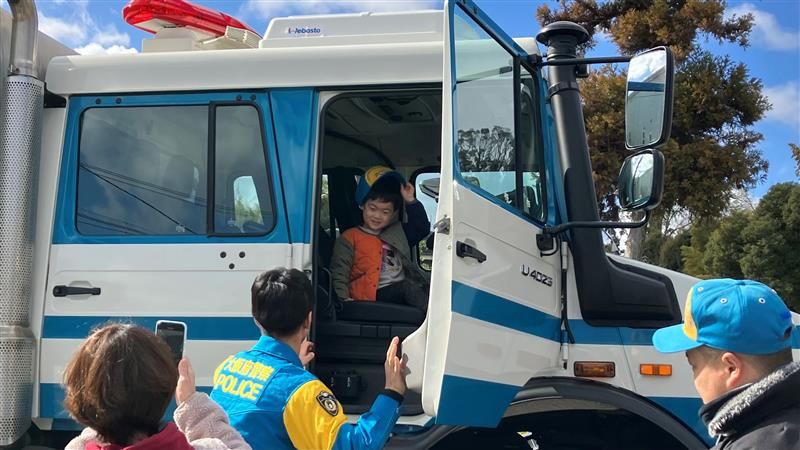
(212,172)
(518,61)
(65,230)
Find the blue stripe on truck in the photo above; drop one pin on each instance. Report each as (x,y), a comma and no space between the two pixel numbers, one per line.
(479,304)
(51,405)
(198,328)
(525,320)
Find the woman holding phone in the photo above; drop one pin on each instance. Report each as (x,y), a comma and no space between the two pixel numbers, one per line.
(119,384)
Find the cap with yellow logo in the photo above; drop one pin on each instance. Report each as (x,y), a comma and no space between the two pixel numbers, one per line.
(371,176)
(741,316)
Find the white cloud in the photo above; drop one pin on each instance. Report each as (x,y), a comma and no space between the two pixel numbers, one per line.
(112,36)
(603,36)
(94,48)
(784,98)
(766,29)
(75,27)
(62,30)
(281,8)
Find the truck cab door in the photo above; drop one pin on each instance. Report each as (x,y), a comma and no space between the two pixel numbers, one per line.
(150,224)
(493,319)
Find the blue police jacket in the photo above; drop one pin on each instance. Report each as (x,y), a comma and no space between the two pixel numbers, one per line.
(276,404)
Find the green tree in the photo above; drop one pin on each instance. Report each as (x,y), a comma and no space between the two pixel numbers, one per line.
(762,244)
(725,246)
(693,253)
(772,236)
(796,155)
(635,25)
(713,148)
(670,256)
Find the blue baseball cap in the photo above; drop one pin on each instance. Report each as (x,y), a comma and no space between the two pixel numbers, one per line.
(371,176)
(741,316)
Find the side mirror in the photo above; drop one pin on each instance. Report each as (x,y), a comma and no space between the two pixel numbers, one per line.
(641,181)
(639,186)
(648,99)
(430,187)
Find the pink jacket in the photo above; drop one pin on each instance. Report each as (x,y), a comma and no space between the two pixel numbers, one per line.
(203,423)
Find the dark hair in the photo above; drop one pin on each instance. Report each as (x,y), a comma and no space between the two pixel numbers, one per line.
(281,300)
(386,189)
(120,382)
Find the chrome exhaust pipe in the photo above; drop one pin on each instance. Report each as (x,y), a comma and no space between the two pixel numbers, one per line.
(20,142)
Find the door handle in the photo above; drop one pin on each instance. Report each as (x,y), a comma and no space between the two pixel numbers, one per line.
(63,291)
(464,250)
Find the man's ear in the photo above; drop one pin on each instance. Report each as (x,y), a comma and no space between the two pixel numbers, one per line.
(307,323)
(733,365)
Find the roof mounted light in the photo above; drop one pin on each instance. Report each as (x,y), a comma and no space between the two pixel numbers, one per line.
(155,15)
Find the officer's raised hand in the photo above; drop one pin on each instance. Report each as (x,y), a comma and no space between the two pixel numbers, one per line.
(395,369)
(306,352)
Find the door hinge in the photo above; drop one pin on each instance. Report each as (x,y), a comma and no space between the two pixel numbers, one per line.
(442,225)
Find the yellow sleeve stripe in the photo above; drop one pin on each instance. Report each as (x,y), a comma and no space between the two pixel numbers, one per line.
(313,417)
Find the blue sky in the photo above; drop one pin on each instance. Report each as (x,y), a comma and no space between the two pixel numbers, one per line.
(96,26)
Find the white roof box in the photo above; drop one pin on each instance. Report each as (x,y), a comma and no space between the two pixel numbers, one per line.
(354,29)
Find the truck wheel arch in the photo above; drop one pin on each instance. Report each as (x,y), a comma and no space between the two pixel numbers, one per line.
(538,393)
(584,390)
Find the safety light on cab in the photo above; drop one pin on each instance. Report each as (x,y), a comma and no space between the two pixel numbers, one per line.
(655,370)
(595,369)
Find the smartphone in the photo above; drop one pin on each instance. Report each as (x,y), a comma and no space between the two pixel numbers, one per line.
(174,334)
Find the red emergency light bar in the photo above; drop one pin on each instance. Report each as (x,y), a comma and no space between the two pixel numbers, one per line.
(153,15)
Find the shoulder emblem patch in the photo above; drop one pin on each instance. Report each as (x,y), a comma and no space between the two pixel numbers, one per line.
(328,403)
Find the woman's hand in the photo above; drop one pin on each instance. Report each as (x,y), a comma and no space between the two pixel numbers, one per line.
(186,383)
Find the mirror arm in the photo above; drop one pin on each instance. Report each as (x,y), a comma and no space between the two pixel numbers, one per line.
(537,61)
(558,229)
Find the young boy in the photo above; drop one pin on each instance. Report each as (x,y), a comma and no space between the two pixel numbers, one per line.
(373,262)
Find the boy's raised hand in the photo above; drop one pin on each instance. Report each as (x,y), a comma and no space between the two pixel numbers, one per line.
(407,190)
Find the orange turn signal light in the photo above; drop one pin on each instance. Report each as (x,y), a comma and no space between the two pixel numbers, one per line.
(655,370)
(595,369)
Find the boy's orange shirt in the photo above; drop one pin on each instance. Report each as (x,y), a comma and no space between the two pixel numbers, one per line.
(365,271)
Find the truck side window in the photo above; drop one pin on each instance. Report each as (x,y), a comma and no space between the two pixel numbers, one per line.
(487,153)
(142,171)
(242,202)
(531,156)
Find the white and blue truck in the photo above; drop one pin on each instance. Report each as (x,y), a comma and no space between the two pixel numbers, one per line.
(153,186)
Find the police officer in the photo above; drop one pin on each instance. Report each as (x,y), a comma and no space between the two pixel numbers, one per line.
(274,402)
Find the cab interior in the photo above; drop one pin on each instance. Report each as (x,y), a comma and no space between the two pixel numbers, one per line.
(401,130)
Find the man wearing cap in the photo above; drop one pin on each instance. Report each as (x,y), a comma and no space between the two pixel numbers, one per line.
(373,261)
(737,335)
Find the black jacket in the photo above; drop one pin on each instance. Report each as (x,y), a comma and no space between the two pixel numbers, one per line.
(764,415)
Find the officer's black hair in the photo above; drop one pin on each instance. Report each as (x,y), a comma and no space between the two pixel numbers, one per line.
(281,300)
(386,189)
